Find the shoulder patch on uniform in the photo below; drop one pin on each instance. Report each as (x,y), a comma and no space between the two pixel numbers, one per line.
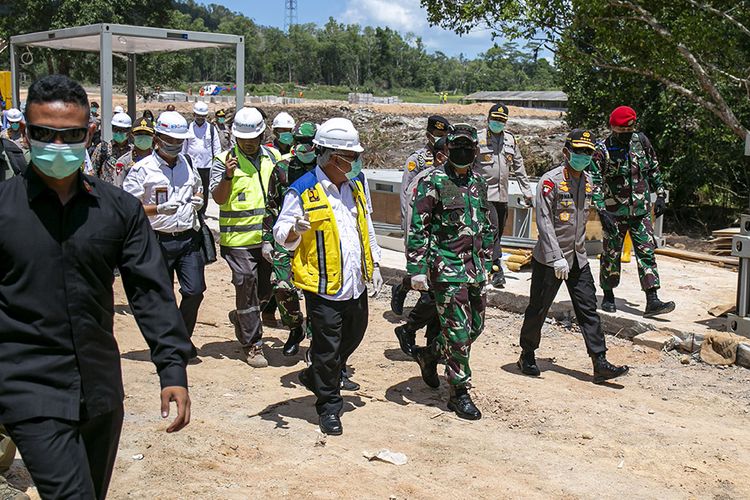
(411,165)
(547,187)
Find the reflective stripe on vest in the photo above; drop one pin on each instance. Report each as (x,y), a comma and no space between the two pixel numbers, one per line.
(241,217)
(317,263)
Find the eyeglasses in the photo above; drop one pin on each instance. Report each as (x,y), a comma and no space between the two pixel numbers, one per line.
(48,134)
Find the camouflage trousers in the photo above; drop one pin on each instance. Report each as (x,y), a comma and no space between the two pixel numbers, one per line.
(461,310)
(642,234)
(286,294)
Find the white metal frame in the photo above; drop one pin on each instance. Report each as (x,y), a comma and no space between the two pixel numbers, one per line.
(99,38)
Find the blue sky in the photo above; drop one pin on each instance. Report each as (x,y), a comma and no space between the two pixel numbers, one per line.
(402,15)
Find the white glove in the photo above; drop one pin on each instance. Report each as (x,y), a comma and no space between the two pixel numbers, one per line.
(561,269)
(267,251)
(197,201)
(302,224)
(419,282)
(377,281)
(167,208)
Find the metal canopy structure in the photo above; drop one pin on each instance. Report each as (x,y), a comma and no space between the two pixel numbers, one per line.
(108,39)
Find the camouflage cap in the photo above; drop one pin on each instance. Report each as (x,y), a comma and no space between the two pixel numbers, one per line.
(462,131)
(304,132)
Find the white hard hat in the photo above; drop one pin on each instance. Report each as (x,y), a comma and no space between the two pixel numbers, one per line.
(248,124)
(118,109)
(173,124)
(200,108)
(122,120)
(14,115)
(283,120)
(338,133)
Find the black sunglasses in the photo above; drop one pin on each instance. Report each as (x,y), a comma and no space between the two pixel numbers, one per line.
(48,134)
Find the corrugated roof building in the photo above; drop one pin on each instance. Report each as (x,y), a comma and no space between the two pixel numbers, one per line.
(548,99)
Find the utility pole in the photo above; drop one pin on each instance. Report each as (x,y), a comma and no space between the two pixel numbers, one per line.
(290,16)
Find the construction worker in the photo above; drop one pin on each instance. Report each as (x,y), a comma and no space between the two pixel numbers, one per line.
(419,161)
(171,191)
(498,153)
(203,144)
(282,133)
(225,133)
(104,159)
(325,220)
(448,252)
(239,184)
(625,172)
(287,172)
(563,200)
(143,146)
(424,313)
(16,128)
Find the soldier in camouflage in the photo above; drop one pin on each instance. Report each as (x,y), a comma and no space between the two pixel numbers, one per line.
(286,172)
(449,252)
(625,172)
(419,161)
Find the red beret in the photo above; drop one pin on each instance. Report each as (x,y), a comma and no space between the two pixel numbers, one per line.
(622,116)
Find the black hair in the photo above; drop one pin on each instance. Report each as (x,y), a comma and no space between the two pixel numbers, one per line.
(54,88)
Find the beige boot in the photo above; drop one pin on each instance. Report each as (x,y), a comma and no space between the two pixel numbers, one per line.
(255,357)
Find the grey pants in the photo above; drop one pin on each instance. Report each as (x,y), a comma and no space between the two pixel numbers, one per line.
(251,277)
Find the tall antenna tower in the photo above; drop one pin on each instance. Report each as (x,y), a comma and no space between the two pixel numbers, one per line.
(290,16)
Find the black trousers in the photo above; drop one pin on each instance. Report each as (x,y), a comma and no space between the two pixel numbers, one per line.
(205,174)
(544,287)
(498,216)
(337,330)
(67,459)
(183,255)
(424,314)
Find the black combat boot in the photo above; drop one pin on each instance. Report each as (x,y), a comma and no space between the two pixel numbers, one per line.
(406,340)
(604,370)
(461,403)
(527,364)
(608,302)
(427,357)
(291,347)
(498,276)
(654,306)
(398,296)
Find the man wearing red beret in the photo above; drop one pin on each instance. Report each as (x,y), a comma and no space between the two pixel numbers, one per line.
(625,173)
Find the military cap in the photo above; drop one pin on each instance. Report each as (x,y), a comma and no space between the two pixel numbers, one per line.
(499,112)
(221,112)
(580,138)
(143,125)
(304,132)
(437,122)
(622,116)
(462,130)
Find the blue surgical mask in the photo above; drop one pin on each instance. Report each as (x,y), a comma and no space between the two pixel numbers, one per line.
(306,158)
(15,126)
(57,160)
(579,162)
(496,126)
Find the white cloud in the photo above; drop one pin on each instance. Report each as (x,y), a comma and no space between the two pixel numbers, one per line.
(403,15)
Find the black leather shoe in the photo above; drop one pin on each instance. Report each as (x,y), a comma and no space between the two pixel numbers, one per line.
(460,402)
(331,425)
(527,364)
(428,361)
(291,347)
(498,279)
(406,340)
(302,376)
(347,384)
(604,370)
(398,296)
(654,306)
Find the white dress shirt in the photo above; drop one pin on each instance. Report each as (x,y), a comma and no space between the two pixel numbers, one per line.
(181,182)
(345,213)
(199,146)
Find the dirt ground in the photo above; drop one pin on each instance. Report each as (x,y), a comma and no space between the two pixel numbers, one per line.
(667,430)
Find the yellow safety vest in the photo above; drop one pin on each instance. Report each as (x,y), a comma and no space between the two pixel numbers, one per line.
(317,265)
(241,216)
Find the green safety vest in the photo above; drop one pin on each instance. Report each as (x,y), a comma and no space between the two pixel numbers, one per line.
(241,216)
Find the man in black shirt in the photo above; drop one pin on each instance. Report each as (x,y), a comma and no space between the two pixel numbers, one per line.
(62,234)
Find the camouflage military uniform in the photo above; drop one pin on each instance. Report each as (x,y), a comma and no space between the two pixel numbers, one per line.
(284,175)
(450,240)
(624,178)
(104,161)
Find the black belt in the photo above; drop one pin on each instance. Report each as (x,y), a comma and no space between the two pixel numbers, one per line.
(178,235)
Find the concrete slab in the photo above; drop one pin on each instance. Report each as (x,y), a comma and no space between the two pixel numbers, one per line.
(660,340)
